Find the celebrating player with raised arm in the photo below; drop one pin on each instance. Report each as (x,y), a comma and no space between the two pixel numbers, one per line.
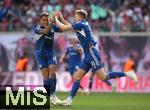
(92,59)
(45,53)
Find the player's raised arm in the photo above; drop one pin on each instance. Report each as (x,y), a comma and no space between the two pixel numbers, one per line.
(63,27)
(60,16)
(44,21)
(46,30)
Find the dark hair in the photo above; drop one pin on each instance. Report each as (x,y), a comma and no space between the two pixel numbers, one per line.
(131,56)
(82,13)
(44,14)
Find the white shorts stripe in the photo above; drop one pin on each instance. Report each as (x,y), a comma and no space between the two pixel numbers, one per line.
(94,57)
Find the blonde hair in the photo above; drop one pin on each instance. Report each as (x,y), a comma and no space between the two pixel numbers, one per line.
(82,13)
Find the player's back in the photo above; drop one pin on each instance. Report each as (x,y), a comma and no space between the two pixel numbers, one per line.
(84,34)
(74,56)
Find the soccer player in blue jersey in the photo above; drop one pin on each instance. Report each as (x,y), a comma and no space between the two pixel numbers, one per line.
(92,59)
(73,56)
(45,53)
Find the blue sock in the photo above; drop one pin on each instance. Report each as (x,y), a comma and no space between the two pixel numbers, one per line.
(75,88)
(108,83)
(47,86)
(90,84)
(52,86)
(112,75)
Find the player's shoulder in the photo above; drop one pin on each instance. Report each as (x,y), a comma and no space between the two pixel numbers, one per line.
(36,28)
(84,22)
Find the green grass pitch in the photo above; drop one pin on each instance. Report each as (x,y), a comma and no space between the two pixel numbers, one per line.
(106,101)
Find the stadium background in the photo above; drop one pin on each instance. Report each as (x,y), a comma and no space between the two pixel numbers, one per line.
(19,17)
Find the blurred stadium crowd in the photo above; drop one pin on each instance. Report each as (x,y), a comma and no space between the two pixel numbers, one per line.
(105,15)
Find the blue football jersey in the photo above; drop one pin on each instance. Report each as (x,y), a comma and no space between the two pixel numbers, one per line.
(44,42)
(84,34)
(74,56)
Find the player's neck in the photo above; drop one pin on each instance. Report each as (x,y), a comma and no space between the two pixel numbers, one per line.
(80,20)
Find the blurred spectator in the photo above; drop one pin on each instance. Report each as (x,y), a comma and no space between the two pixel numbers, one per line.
(3,55)
(22,63)
(144,65)
(129,63)
(106,15)
(25,45)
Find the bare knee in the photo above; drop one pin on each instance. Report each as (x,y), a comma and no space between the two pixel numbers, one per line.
(52,71)
(45,73)
(76,77)
(79,74)
(103,78)
(101,74)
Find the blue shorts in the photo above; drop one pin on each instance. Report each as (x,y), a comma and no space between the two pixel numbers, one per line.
(45,60)
(73,69)
(92,60)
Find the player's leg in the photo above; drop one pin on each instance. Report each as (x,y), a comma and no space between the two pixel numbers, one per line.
(84,68)
(45,72)
(52,79)
(72,77)
(98,68)
(102,75)
(74,71)
(77,77)
(91,80)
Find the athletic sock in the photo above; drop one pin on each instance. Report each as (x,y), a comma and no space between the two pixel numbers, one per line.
(52,86)
(90,84)
(47,86)
(112,75)
(108,83)
(75,88)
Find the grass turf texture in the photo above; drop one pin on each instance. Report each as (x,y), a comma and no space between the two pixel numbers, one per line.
(107,101)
